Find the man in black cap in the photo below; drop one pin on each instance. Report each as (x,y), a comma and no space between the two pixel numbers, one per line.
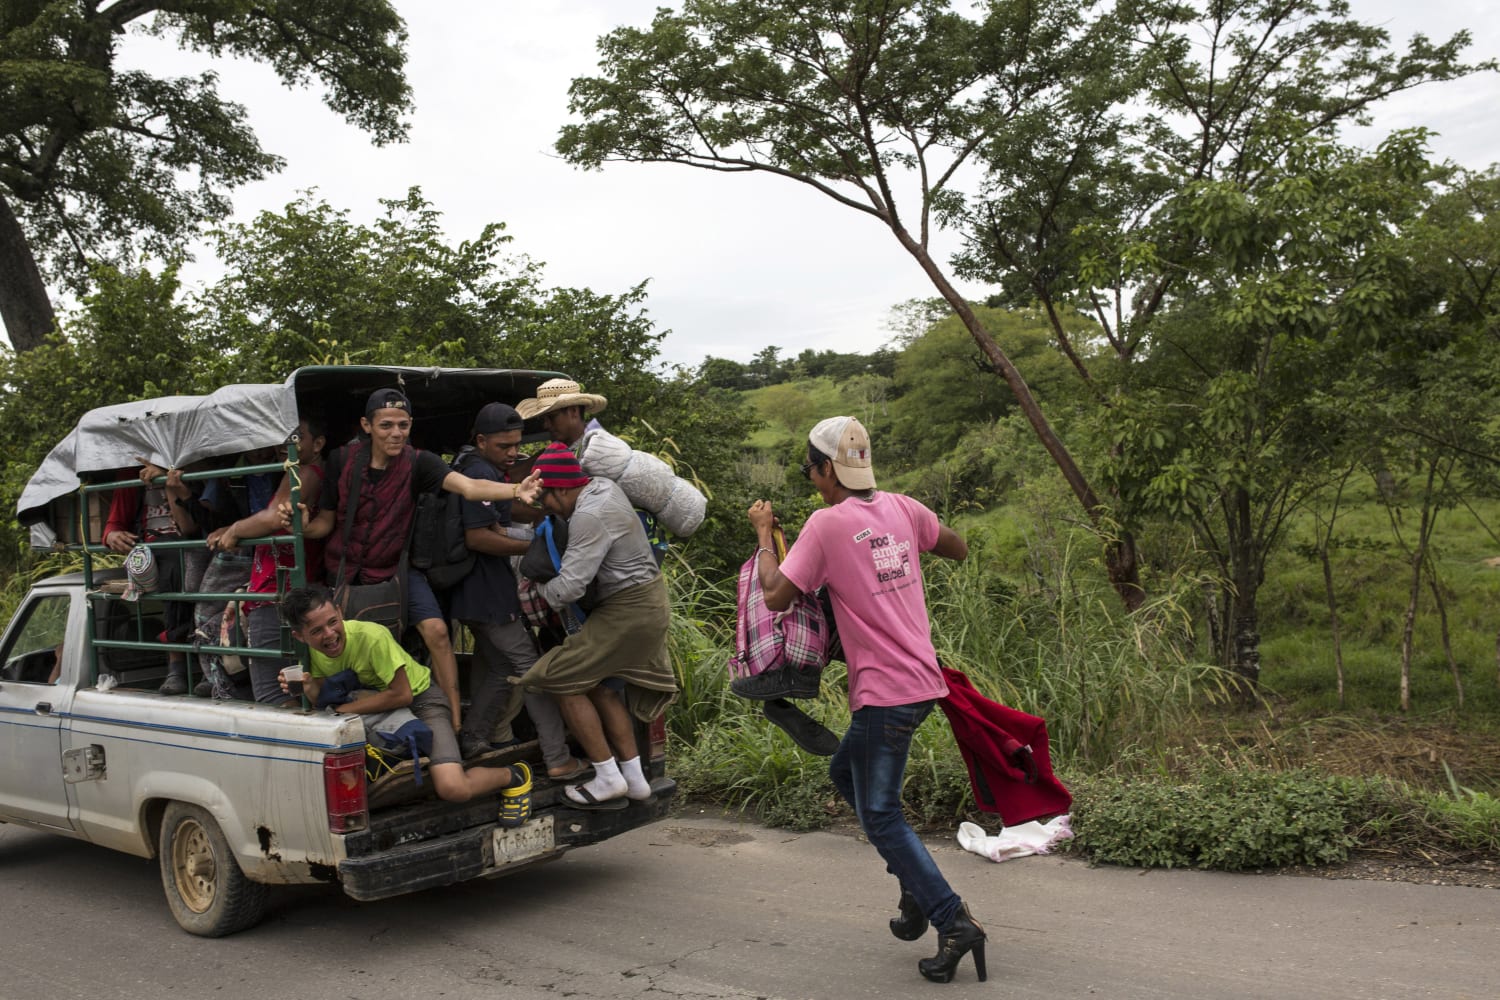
(378,483)
(487,603)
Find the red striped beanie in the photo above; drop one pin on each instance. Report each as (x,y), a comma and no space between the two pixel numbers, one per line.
(559,468)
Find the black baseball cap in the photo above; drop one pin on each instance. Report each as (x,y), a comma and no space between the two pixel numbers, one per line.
(386,399)
(496,418)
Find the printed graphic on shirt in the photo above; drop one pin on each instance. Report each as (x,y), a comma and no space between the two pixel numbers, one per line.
(891,560)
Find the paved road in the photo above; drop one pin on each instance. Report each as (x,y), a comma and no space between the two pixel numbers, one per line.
(699,906)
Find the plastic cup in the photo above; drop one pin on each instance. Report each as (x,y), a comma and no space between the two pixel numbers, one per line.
(294,677)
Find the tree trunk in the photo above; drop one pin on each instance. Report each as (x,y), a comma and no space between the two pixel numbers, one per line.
(1442,606)
(1408,628)
(24,304)
(1244,637)
(1246,665)
(1409,625)
(1333,618)
(1325,543)
(1243,570)
(1211,597)
(1121,559)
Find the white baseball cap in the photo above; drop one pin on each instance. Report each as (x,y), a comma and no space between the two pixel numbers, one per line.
(845,440)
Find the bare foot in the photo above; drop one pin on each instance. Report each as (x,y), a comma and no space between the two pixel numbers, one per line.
(572,769)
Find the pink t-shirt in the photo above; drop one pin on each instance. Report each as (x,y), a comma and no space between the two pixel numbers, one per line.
(866,553)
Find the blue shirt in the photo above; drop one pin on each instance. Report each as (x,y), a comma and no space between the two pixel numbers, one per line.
(488,593)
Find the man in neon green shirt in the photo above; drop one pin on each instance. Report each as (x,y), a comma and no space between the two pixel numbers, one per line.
(395,680)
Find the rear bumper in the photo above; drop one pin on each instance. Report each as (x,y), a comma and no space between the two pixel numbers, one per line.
(469,853)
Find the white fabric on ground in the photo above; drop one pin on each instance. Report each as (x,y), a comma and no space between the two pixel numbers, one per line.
(1019,841)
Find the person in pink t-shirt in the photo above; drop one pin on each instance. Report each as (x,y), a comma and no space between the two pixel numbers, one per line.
(864,547)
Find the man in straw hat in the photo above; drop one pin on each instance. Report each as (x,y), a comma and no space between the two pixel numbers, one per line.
(624,633)
(564,407)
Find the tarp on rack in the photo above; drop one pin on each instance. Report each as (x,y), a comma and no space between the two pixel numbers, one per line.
(179,430)
(171,431)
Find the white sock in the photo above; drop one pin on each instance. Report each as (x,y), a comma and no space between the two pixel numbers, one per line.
(607,782)
(636,785)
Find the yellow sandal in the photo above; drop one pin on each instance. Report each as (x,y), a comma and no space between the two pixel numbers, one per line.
(515,798)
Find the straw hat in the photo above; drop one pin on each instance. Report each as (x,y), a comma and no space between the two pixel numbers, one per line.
(559,393)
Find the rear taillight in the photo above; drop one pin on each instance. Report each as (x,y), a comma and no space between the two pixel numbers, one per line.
(658,733)
(344,788)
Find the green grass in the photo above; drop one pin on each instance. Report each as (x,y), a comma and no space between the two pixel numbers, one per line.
(1372,577)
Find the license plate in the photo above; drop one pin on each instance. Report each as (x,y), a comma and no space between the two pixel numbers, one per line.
(519,843)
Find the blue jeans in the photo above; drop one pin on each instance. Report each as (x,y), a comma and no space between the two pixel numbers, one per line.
(867,770)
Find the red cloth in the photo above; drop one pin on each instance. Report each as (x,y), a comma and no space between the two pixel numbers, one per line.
(988,733)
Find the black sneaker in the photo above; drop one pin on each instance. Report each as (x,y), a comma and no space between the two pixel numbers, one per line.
(174,684)
(772,684)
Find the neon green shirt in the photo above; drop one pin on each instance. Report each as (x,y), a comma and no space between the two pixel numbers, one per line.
(374,656)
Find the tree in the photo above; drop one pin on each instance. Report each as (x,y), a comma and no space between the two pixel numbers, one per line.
(877,104)
(724,373)
(1264,376)
(1088,211)
(98,164)
(944,386)
(308,284)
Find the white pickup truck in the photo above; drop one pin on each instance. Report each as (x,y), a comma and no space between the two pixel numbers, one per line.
(232,797)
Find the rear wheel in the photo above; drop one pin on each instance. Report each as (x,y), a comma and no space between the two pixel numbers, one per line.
(207,891)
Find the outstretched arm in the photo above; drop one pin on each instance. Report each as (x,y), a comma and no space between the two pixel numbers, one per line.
(485,489)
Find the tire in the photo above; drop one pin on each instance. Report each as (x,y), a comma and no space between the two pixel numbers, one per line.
(206,889)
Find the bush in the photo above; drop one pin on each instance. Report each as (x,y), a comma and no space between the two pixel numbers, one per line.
(1222,817)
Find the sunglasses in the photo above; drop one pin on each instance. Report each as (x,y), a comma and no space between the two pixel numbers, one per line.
(807,468)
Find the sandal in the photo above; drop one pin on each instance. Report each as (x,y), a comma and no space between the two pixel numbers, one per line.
(515,798)
(579,797)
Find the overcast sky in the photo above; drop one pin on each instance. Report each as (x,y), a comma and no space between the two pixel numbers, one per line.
(735,262)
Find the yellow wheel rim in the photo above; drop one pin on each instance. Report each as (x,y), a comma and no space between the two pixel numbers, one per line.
(194,866)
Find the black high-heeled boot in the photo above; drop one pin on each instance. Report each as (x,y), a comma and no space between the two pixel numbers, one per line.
(962,936)
(912,923)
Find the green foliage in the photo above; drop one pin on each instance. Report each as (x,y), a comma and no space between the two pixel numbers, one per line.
(18,584)
(1054,647)
(944,387)
(100,163)
(126,342)
(1219,817)
(1467,819)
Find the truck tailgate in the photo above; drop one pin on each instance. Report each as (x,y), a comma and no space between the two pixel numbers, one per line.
(431,843)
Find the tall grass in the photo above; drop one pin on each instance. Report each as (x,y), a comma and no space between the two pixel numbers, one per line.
(1059,646)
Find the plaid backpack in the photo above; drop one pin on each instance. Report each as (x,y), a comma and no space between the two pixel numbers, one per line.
(770,640)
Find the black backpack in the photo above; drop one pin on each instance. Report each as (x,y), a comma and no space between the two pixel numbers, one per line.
(437,536)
